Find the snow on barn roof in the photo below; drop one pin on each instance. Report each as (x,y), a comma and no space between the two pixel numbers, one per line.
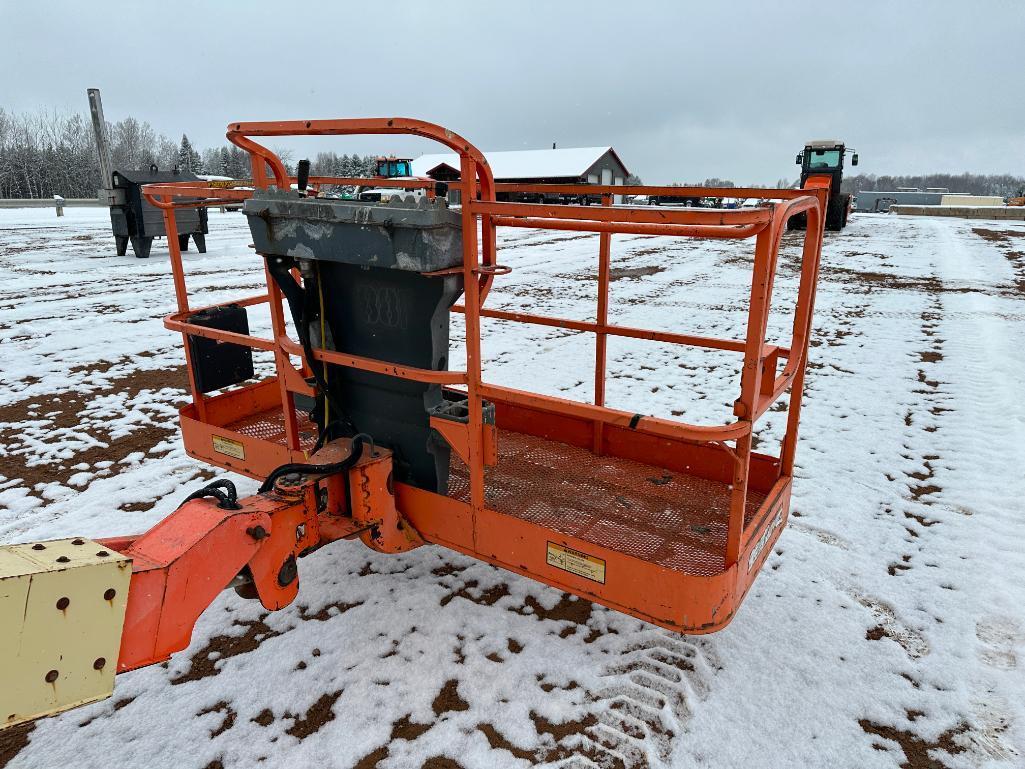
(523,164)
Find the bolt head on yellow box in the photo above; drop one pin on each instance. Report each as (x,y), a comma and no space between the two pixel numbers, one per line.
(62,609)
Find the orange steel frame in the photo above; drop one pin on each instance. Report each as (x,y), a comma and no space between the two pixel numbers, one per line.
(673,599)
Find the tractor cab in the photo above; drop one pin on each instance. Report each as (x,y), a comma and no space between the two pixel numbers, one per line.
(824,157)
(394,168)
(389,168)
(822,161)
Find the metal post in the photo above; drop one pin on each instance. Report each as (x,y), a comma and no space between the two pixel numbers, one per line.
(102,141)
(601,338)
(182,297)
(281,357)
(471,289)
(750,381)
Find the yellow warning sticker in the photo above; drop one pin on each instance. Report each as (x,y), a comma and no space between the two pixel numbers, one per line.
(229,447)
(227,184)
(575,562)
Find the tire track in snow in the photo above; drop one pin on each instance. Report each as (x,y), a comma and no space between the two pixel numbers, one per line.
(648,694)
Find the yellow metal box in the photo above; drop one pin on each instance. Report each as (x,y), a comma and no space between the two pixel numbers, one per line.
(62,609)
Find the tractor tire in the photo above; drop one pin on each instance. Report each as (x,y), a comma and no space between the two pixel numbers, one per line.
(835,214)
(798,222)
(845,201)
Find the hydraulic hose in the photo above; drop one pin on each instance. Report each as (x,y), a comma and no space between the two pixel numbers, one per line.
(226,499)
(300,304)
(325,469)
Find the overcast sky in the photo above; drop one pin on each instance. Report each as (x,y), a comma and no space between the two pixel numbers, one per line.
(682,90)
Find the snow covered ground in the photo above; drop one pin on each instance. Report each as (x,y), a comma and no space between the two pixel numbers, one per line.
(886,630)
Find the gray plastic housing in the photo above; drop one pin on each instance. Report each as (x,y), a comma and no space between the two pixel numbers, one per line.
(406,233)
(378,304)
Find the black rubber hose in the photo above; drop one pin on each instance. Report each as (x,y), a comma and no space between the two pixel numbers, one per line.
(305,469)
(228,486)
(299,304)
(224,501)
(279,269)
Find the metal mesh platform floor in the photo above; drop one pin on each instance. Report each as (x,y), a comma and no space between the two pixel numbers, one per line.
(270,426)
(671,519)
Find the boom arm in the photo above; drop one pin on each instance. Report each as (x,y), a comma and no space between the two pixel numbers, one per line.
(179,567)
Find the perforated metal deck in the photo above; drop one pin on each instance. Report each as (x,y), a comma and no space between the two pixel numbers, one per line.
(270,426)
(671,519)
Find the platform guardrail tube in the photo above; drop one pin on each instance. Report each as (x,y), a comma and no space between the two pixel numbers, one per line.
(364,262)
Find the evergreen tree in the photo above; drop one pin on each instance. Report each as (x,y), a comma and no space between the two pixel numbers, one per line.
(346,166)
(189,159)
(238,164)
(184,154)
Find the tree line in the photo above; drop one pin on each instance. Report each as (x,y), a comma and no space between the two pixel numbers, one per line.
(49,153)
(1004,185)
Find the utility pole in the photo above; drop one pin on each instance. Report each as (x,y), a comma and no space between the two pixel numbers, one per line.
(106,193)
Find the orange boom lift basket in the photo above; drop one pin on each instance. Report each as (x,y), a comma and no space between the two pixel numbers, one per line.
(667,521)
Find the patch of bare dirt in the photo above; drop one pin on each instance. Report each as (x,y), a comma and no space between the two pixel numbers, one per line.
(561,731)
(372,759)
(997,236)
(488,597)
(264,718)
(876,633)
(327,612)
(498,741)
(896,568)
(869,280)
(917,751)
(559,239)
(118,705)
(447,570)
(13,740)
(320,712)
(407,729)
(576,611)
(62,411)
(221,647)
(619,273)
(1006,239)
(921,484)
(548,686)
(229,717)
(441,762)
(448,699)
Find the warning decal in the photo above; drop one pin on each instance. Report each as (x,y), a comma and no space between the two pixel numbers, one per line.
(229,447)
(575,562)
